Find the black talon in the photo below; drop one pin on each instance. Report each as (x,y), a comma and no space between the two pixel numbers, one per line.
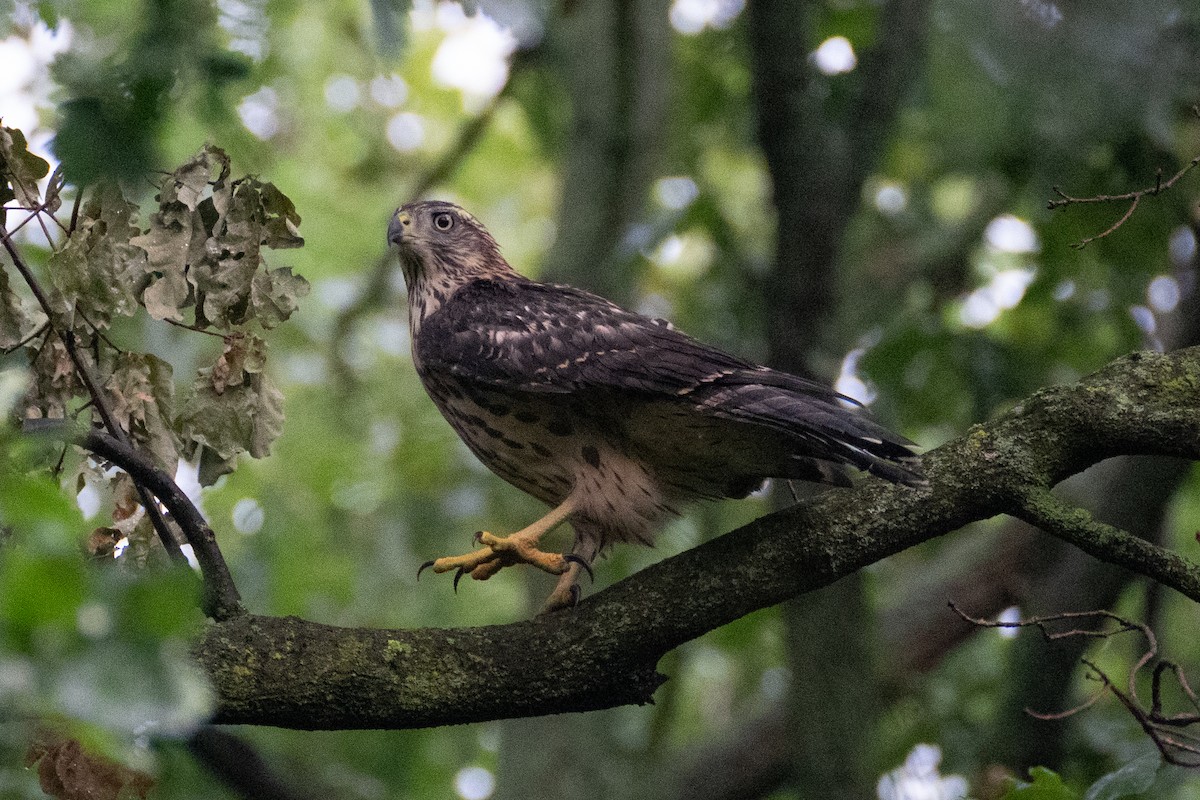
(477,538)
(458,577)
(575,593)
(424,567)
(571,558)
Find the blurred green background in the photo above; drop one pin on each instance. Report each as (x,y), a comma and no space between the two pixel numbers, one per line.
(856,190)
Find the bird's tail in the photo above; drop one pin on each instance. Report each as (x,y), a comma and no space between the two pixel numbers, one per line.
(817,428)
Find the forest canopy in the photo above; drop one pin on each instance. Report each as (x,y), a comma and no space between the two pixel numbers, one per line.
(966,216)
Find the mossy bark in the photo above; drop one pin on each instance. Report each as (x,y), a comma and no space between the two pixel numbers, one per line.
(293,673)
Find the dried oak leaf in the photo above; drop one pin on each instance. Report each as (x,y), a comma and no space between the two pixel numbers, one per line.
(234,406)
(282,220)
(102,543)
(98,270)
(275,294)
(170,244)
(20,170)
(142,392)
(13,322)
(67,772)
(251,215)
(53,383)
(190,182)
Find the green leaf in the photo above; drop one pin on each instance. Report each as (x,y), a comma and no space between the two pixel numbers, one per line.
(275,294)
(151,605)
(48,13)
(37,508)
(20,170)
(166,689)
(38,593)
(1046,785)
(1134,778)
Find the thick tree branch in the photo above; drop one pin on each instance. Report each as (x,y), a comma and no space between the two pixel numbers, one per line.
(221,599)
(293,673)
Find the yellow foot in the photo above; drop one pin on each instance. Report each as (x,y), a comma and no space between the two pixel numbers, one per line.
(566,591)
(503,551)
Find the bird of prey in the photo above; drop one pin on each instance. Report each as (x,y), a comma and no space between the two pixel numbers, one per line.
(609,417)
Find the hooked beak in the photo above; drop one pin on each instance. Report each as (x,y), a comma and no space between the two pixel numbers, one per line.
(399,226)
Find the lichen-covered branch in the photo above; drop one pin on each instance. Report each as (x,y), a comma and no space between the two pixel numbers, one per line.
(292,673)
(1075,525)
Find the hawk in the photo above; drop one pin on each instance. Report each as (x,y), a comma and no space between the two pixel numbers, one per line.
(611,418)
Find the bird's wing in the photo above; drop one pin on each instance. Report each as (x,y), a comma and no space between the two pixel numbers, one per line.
(522,336)
(531,337)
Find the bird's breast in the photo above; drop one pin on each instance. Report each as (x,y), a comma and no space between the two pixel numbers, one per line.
(524,441)
(551,447)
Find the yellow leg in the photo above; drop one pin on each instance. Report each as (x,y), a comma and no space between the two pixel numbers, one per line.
(566,591)
(517,548)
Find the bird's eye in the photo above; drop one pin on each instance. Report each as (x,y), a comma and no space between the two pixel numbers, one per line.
(443,221)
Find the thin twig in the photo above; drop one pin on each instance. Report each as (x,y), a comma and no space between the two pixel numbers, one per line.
(75,211)
(98,332)
(1042,623)
(195,328)
(38,331)
(1158,188)
(1043,509)
(1175,745)
(1135,197)
(1124,218)
(45,230)
(1052,716)
(1156,693)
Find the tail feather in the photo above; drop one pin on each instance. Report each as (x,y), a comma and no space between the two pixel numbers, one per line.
(816,427)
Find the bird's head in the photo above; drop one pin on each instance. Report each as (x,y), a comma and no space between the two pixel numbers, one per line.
(443,247)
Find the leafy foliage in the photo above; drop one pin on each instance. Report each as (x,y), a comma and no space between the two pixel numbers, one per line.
(97,271)
(1130,780)
(203,253)
(117,101)
(234,407)
(109,639)
(13,322)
